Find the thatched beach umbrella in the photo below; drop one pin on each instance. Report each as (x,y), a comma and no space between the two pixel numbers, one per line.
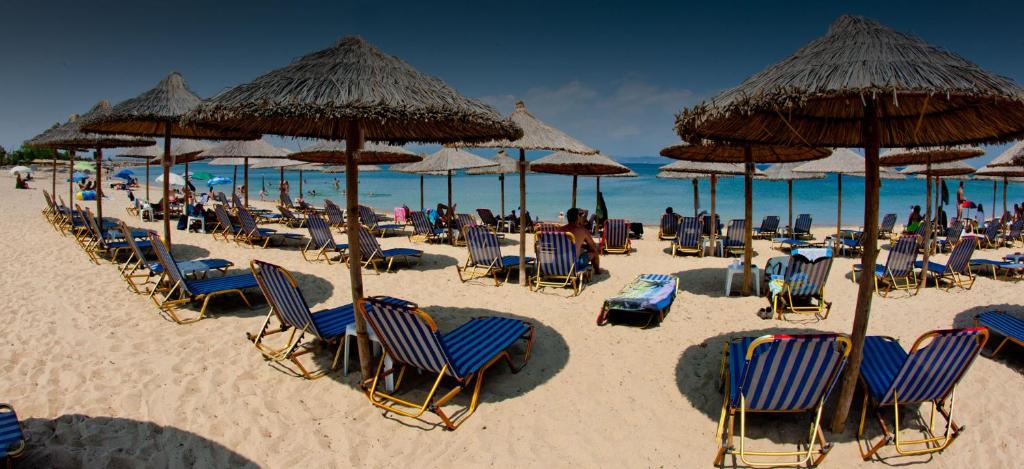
(576,165)
(536,135)
(147,154)
(748,155)
(505,165)
(354,92)
(714,170)
(784,172)
(157,113)
(955,170)
(1005,172)
(863,85)
(373,153)
(1013,156)
(241,151)
(447,160)
(71,137)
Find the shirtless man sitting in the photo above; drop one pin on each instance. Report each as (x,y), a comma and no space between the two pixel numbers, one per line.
(575,226)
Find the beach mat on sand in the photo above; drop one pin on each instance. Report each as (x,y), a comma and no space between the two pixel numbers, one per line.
(643,301)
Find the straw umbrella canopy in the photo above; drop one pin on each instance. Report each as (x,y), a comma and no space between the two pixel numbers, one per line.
(713,170)
(330,151)
(145,153)
(536,135)
(240,152)
(863,85)
(506,165)
(576,165)
(1013,156)
(354,92)
(447,160)
(70,136)
(1005,172)
(157,113)
(784,172)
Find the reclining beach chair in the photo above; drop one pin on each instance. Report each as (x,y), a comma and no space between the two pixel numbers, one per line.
(708,226)
(184,291)
(957,267)
(321,241)
(615,237)
(223,200)
(108,243)
(953,235)
(769,228)
(12,439)
(289,307)
(138,262)
(688,237)
(1008,267)
(803,284)
(558,263)
(411,339)
(369,219)
(990,237)
(928,373)
(773,374)
(668,226)
(649,295)
(885,229)
(732,242)
(226,228)
(371,254)
(802,227)
(485,257)
(898,272)
(851,243)
(547,227)
(489,220)
(462,222)
(423,230)
(261,213)
(289,218)
(1013,233)
(335,217)
(1010,327)
(286,200)
(252,234)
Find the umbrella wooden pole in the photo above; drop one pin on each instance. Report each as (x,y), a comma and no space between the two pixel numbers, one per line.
(574,177)
(353,144)
(422,209)
(789,190)
(300,184)
(234,179)
(451,212)
(696,196)
(188,192)
(53,189)
(1004,196)
(522,217)
(166,205)
(748,216)
(927,223)
(245,182)
(597,194)
(501,180)
(995,185)
(148,197)
(71,180)
(99,186)
(866,289)
(280,186)
(714,226)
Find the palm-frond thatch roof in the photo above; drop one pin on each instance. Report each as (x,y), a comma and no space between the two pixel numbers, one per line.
(447,159)
(682,175)
(155,113)
(844,161)
(320,94)
(785,172)
(275,163)
(333,152)
(703,167)
(576,164)
(186,151)
(947,169)
(913,156)
(505,165)
(925,96)
(725,153)
(70,135)
(1000,171)
(1013,156)
(537,135)
(252,149)
(368,168)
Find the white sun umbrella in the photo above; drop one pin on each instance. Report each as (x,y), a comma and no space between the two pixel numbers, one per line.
(175,179)
(20,169)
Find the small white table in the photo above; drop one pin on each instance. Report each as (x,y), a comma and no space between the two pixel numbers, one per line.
(733,269)
(350,331)
(197,218)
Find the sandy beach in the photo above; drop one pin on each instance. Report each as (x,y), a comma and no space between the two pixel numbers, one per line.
(100,379)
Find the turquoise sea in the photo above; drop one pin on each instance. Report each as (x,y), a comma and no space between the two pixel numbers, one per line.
(642,198)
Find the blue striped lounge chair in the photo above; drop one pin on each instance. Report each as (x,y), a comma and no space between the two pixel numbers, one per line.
(137,262)
(1014,233)
(423,230)
(374,257)
(990,238)
(768,229)
(183,290)
(709,227)
(226,228)
(252,234)
(615,237)
(668,226)
(802,227)
(485,257)
(12,440)
(1010,327)
(261,213)
(558,263)
(732,242)
(773,374)
(803,288)
(898,272)
(462,222)
(547,227)
(288,307)
(956,271)
(953,235)
(851,243)
(369,219)
(885,229)
(222,199)
(335,217)
(488,219)
(1009,268)
(929,373)
(108,243)
(321,241)
(688,237)
(286,200)
(411,339)
(289,218)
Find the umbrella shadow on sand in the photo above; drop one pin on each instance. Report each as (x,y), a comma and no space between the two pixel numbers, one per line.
(706,281)
(1009,355)
(315,289)
(184,252)
(75,440)
(548,357)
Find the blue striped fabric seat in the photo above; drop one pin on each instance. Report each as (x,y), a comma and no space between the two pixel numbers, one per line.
(253,232)
(887,225)
(372,254)
(788,373)
(956,267)
(615,238)
(284,295)
(1010,327)
(769,226)
(668,226)
(688,236)
(11,437)
(733,239)
(230,282)
(193,267)
(321,239)
(421,227)
(335,217)
(477,341)
(512,261)
(802,225)
(369,219)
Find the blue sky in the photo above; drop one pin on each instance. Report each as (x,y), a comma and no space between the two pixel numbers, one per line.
(611,75)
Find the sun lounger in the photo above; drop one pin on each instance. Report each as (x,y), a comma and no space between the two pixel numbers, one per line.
(689,237)
(289,218)
(226,228)
(615,237)
(668,226)
(252,234)
(733,242)
(547,227)
(648,295)
(558,263)
(1013,233)
(184,291)
(485,257)
(929,373)
(802,288)
(373,256)
(773,374)
(708,226)
(953,236)
(769,228)
(137,262)
(321,241)
(488,219)
(1010,327)
(291,311)
(422,230)
(412,340)
(957,270)
(1014,269)
(885,229)
(12,439)
(990,238)
(335,217)
(369,219)
(898,271)
(462,222)
(802,227)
